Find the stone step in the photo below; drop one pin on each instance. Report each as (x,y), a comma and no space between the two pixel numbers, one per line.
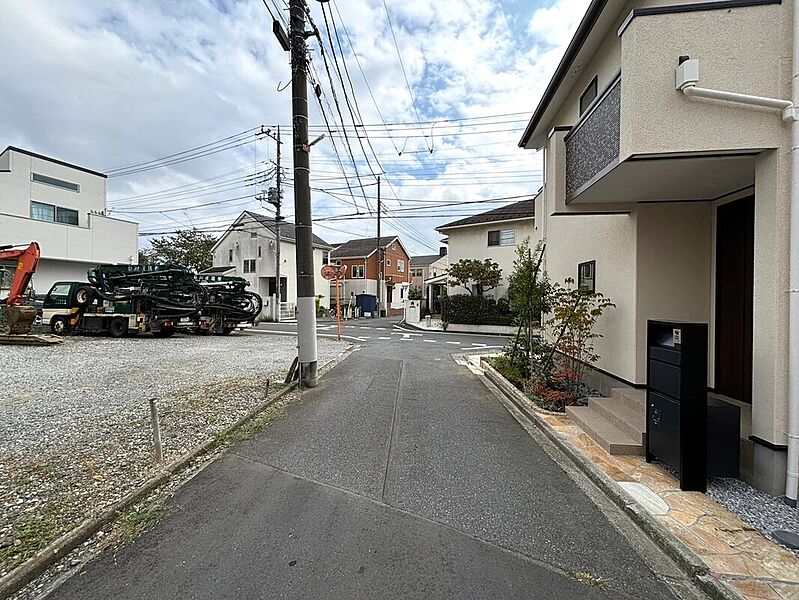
(630,419)
(603,432)
(631,396)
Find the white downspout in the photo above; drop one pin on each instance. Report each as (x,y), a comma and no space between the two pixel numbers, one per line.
(687,76)
(792,475)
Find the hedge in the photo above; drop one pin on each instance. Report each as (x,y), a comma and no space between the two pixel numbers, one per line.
(476,310)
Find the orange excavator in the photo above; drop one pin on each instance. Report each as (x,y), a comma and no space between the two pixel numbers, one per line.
(16,317)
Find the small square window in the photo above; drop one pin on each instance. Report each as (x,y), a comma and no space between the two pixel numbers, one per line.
(388,262)
(401,266)
(253,235)
(493,238)
(66,215)
(507,237)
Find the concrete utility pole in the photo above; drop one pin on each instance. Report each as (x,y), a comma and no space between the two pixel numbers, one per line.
(306,297)
(276,200)
(379,257)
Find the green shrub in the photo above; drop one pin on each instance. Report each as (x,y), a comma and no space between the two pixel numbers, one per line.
(476,310)
(506,368)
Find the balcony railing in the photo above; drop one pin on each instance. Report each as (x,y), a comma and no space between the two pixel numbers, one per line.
(592,145)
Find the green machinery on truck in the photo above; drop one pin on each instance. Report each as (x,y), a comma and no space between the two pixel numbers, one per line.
(126,300)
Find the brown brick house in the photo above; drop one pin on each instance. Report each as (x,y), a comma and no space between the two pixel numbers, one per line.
(365,270)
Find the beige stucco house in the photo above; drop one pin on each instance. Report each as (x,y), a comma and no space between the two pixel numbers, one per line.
(429,267)
(492,234)
(678,205)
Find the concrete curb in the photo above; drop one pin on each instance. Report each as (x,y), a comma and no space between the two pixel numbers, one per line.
(689,562)
(348,338)
(409,327)
(45,558)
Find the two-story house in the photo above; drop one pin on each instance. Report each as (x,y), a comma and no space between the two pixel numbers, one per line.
(248,249)
(369,270)
(492,234)
(61,206)
(424,268)
(673,198)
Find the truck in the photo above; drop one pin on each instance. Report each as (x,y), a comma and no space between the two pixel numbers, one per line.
(124,300)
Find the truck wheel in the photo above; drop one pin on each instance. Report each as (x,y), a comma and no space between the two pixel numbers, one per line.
(118,327)
(84,295)
(59,326)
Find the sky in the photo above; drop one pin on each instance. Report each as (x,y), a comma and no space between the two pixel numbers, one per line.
(118,86)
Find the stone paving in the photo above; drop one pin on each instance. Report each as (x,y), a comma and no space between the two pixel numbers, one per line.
(734,551)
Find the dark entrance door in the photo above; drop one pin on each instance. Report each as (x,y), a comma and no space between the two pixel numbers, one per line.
(273,291)
(735,245)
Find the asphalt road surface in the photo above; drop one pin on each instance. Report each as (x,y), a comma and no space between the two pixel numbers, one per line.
(400,476)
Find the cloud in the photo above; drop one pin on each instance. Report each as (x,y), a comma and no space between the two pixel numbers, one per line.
(110,84)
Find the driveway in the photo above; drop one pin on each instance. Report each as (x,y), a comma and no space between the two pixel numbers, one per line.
(399,476)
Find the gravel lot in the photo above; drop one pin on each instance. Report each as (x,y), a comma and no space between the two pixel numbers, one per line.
(75,424)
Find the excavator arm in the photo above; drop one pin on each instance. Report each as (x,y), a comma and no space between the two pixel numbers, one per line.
(27,260)
(15,317)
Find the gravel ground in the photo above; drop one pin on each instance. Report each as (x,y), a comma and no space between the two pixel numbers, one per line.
(760,510)
(75,424)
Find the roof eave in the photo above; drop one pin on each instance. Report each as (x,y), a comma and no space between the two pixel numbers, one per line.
(583,30)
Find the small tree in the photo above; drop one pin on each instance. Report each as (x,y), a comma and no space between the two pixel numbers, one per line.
(485,275)
(571,327)
(529,297)
(415,293)
(187,248)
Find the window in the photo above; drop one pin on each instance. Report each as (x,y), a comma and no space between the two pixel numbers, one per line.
(66,215)
(54,214)
(400,266)
(388,262)
(357,272)
(249,266)
(325,257)
(589,95)
(259,252)
(253,235)
(60,183)
(42,212)
(586,276)
(502,237)
(230,255)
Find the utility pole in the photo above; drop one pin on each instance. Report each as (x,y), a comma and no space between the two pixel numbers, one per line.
(379,256)
(276,200)
(306,305)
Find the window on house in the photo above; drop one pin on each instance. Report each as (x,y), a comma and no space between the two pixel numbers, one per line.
(388,262)
(502,237)
(259,252)
(66,215)
(59,183)
(400,266)
(325,257)
(357,272)
(253,235)
(230,255)
(249,266)
(589,95)
(53,214)
(586,276)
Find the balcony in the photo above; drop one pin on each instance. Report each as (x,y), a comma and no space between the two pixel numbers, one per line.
(592,145)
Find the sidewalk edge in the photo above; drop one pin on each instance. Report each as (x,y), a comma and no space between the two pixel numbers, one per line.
(689,562)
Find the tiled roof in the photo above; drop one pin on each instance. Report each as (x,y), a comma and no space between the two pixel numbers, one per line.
(286,229)
(361,247)
(517,210)
(424,261)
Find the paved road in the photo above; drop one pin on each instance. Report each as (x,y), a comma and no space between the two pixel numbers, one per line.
(399,476)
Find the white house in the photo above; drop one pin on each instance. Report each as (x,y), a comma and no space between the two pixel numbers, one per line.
(492,234)
(678,208)
(61,206)
(247,249)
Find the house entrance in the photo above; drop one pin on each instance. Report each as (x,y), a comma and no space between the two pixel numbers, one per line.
(735,246)
(273,291)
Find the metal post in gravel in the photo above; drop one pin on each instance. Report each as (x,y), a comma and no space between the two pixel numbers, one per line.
(159,454)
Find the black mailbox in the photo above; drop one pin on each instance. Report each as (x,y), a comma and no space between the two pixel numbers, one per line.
(676,399)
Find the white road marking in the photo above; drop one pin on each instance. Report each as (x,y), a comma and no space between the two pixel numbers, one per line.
(407,339)
(480,345)
(429,341)
(365,337)
(453,342)
(384,338)
(363,327)
(482,348)
(381,328)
